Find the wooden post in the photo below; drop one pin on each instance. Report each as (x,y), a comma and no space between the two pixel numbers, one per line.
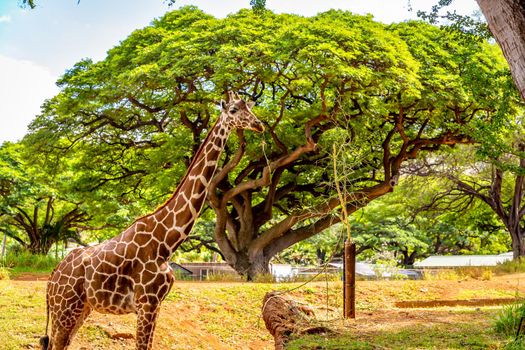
(349,280)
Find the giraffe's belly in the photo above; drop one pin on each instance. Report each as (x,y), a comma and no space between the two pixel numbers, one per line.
(110,293)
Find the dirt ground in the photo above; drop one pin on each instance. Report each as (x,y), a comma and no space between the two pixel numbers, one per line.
(221,315)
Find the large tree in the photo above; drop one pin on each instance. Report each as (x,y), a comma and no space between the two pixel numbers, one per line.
(133,120)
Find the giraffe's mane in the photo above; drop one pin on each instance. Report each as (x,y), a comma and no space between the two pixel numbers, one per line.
(192,163)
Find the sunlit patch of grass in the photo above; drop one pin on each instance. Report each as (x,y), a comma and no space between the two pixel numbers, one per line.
(97,334)
(314,342)
(224,315)
(459,274)
(471,335)
(486,293)
(22,314)
(478,273)
(443,275)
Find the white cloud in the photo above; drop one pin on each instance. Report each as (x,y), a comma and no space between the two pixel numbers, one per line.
(23,88)
(5,18)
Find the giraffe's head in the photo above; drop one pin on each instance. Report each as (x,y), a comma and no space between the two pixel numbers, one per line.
(238,114)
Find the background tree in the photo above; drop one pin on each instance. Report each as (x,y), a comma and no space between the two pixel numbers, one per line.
(496,179)
(31,213)
(404,225)
(27,3)
(316,250)
(123,124)
(257,5)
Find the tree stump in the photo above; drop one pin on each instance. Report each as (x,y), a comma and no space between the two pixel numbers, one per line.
(284,317)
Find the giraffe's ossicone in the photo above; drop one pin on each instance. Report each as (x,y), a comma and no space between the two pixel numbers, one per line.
(130,272)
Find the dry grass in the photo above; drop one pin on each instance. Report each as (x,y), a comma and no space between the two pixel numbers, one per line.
(221,315)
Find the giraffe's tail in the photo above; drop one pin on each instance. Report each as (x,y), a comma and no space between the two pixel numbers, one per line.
(44,341)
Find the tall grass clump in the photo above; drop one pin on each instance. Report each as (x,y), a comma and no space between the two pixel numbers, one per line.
(4,273)
(508,319)
(27,262)
(477,273)
(515,344)
(442,275)
(510,266)
(224,277)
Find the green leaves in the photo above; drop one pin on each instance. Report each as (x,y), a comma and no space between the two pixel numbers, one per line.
(121,132)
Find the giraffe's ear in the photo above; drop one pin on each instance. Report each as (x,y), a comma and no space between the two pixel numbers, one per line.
(223,105)
(250,104)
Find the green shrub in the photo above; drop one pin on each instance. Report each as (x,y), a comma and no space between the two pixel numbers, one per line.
(507,323)
(27,262)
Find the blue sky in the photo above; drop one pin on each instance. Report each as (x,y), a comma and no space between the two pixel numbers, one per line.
(37,46)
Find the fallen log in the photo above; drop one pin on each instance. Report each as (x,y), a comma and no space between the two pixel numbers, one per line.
(284,317)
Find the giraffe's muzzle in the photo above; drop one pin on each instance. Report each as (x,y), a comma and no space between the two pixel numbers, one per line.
(257,126)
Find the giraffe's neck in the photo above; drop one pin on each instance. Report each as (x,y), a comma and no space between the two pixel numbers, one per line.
(175,219)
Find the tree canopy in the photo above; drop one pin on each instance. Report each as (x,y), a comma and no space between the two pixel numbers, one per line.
(127,126)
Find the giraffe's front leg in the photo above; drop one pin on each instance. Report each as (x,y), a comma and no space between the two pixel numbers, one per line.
(146,320)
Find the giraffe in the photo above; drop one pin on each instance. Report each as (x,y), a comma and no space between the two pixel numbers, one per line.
(130,272)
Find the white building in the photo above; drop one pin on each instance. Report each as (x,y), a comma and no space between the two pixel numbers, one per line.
(444,261)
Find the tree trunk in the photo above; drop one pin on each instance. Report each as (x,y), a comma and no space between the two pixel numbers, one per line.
(506,20)
(3,244)
(259,266)
(518,243)
(39,247)
(250,267)
(409,259)
(321,255)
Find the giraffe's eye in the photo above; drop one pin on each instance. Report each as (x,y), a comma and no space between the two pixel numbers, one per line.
(233,110)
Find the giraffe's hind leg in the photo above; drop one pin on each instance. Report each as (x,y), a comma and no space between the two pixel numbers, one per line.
(66,323)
